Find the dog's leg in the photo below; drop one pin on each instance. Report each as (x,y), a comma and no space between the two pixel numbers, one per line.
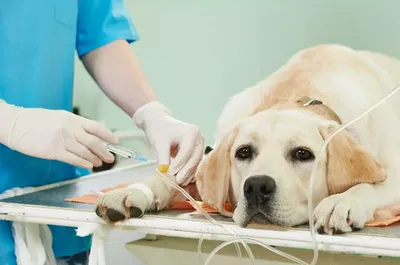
(350,210)
(153,194)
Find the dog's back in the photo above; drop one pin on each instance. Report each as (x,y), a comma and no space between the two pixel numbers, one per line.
(389,64)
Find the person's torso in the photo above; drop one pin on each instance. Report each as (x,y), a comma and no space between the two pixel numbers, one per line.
(37,48)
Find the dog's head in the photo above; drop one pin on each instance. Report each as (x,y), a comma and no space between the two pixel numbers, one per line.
(263,167)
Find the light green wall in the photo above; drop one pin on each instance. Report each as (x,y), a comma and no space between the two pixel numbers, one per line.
(198,53)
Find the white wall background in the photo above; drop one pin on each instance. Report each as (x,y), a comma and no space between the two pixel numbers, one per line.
(198,53)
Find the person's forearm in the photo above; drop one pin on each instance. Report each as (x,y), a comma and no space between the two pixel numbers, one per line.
(117,71)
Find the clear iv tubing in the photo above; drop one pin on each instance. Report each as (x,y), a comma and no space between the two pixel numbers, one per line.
(315,167)
(209,218)
(310,201)
(258,242)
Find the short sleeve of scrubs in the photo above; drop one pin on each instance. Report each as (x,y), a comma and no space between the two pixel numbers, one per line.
(101,22)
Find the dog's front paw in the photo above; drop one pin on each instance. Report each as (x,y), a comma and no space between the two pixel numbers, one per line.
(340,214)
(121,204)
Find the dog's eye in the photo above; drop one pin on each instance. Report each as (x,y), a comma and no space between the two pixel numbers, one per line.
(301,154)
(244,153)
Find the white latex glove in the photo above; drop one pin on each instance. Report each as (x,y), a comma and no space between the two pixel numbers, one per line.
(55,135)
(167,134)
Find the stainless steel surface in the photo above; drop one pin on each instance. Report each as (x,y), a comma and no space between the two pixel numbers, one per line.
(54,197)
(120,151)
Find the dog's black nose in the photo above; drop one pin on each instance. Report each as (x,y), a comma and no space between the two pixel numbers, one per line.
(258,189)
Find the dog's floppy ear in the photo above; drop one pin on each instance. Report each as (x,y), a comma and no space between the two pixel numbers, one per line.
(213,174)
(348,164)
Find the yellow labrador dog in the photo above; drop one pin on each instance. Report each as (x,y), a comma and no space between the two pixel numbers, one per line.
(269,135)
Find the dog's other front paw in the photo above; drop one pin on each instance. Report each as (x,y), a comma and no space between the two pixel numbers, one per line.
(340,214)
(121,204)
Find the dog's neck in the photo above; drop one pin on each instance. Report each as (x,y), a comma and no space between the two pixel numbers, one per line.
(305,102)
(319,108)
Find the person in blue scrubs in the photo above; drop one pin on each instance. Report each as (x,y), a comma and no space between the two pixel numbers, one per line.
(41,141)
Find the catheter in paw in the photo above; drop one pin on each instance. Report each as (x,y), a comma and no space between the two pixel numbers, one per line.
(130,202)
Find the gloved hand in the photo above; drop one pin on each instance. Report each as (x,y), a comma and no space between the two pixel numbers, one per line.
(56,135)
(170,137)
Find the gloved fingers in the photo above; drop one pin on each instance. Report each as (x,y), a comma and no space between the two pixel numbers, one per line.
(80,150)
(99,131)
(95,145)
(186,148)
(74,160)
(163,152)
(186,174)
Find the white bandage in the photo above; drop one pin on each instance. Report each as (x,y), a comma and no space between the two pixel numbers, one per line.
(146,190)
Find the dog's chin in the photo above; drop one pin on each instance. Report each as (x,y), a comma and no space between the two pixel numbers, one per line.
(256,218)
(261,218)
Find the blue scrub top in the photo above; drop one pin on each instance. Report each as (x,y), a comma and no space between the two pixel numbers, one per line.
(38,40)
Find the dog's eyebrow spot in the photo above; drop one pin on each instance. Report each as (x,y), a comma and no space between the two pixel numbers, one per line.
(293,143)
(254,138)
